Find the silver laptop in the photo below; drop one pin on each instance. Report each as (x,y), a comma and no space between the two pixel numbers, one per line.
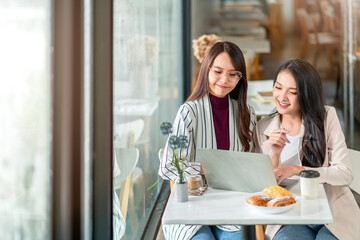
(236,171)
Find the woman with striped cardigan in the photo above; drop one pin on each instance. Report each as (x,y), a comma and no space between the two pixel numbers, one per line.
(215,116)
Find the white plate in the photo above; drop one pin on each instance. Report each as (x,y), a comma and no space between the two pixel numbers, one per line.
(271,210)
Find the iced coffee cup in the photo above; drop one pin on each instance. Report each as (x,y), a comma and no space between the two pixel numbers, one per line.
(309,184)
(194,183)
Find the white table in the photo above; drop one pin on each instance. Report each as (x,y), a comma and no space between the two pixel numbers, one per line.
(239,10)
(249,16)
(253,32)
(261,108)
(255,45)
(231,23)
(135,107)
(234,4)
(221,207)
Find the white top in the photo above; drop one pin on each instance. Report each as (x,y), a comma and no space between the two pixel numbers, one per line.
(290,153)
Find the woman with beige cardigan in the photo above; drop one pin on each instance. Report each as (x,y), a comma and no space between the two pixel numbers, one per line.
(305,134)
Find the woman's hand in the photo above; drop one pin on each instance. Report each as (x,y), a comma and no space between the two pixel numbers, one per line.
(284,172)
(277,141)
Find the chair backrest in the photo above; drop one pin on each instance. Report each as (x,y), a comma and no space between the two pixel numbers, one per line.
(302,17)
(354,157)
(330,20)
(324,5)
(127,159)
(308,22)
(128,133)
(161,151)
(274,14)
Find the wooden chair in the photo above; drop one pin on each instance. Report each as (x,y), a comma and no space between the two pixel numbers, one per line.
(256,69)
(330,21)
(128,133)
(260,232)
(274,25)
(131,177)
(126,159)
(315,39)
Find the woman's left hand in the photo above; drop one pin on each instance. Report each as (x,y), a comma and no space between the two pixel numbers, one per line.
(284,172)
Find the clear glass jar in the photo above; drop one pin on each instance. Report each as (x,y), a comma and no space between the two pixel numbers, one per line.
(194,182)
(180,189)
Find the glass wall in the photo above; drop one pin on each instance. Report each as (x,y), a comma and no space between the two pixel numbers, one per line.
(147,91)
(351,74)
(25,100)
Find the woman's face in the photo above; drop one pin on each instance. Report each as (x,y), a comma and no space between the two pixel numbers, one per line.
(221,76)
(285,94)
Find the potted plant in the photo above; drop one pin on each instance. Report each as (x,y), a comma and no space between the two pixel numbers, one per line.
(176,145)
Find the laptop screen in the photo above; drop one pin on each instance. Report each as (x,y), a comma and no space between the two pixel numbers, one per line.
(236,171)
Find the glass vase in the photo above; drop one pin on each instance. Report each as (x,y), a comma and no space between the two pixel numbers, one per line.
(181,189)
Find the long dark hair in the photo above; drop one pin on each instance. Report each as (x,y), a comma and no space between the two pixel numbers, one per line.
(311,100)
(239,93)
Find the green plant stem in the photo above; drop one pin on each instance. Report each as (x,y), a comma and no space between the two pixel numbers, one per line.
(153,185)
(181,179)
(177,165)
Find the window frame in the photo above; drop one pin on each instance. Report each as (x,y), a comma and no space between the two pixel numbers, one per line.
(68,144)
(102,119)
(67,115)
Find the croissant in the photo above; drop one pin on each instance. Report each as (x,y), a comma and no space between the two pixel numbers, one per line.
(276,192)
(280,202)
(259,200)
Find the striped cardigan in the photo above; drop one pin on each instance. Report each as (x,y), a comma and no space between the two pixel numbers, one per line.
(194,119)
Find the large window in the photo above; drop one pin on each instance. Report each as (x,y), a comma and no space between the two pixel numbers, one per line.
(147,89)
(55,101)
(25,100)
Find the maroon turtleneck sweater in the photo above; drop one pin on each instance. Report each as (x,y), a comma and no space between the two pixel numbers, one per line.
(220,111)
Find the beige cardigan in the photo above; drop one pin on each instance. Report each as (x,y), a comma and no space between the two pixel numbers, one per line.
(335,174)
